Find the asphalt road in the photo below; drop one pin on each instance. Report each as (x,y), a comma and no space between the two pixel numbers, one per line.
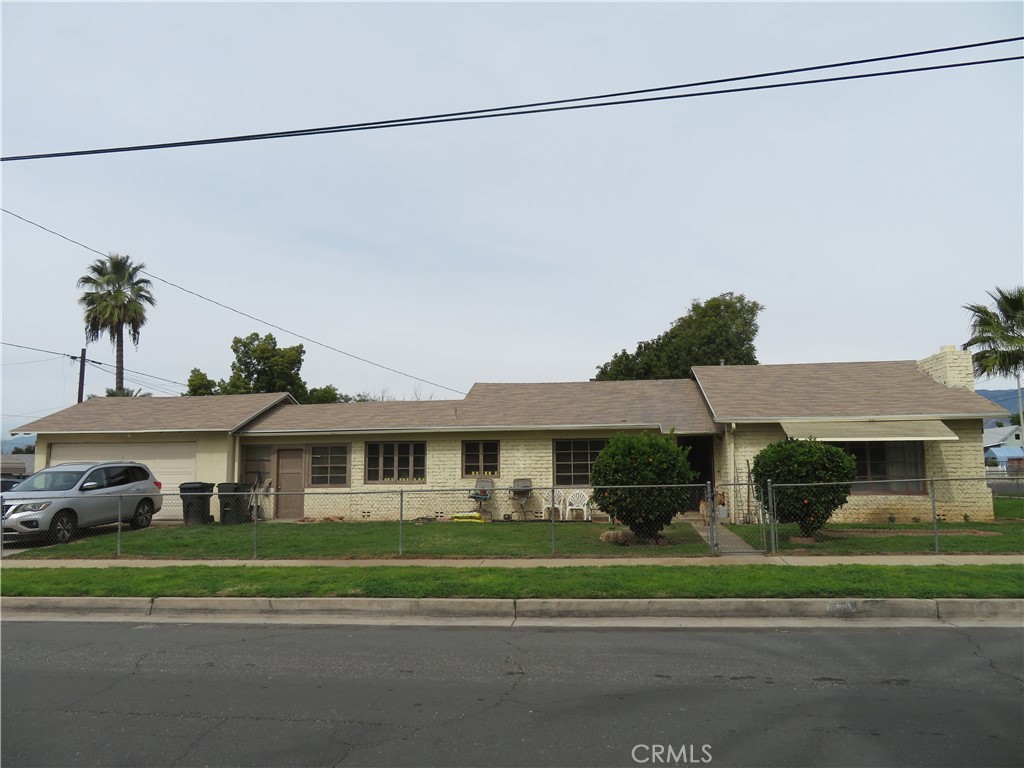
(124,694)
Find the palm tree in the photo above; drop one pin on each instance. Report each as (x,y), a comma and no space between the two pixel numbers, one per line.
(116,299)
(997,336)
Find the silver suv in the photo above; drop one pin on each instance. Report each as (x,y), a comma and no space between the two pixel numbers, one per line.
(57,501)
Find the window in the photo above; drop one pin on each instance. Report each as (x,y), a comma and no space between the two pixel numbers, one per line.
(480,457)
(573,459)
(396,462)
(889,467)
(328,465)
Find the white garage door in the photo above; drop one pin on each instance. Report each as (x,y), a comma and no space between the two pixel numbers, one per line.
(171,463)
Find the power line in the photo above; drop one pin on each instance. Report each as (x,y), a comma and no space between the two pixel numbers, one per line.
(33,363)
(240,312)
(561,105)
(102,367)
(89,360)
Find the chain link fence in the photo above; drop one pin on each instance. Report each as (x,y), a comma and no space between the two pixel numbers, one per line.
(899,516)
(233,521)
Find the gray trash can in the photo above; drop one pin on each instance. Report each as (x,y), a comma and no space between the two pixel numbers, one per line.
(234,503)
(195,502)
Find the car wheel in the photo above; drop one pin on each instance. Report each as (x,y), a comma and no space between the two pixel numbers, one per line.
(63,527)
(143,515)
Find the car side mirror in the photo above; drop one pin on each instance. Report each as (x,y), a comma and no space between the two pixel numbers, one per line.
(90,486)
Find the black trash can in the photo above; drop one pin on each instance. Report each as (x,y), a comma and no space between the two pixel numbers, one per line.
(195,502)
(234,503)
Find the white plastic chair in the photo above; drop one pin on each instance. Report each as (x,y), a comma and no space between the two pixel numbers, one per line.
(578,500)
(549,504)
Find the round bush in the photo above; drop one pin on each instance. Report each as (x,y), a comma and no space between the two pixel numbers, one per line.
(821,474)
(654,462)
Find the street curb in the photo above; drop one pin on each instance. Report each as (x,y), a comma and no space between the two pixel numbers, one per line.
(338,606)
(739,608)
(953,609)
(120,606)
(944,609)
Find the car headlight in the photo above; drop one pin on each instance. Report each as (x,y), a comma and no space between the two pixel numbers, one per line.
(35,506)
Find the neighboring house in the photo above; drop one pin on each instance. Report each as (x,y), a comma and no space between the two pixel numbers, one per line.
(1001,437)
(1001,455)
(902,420)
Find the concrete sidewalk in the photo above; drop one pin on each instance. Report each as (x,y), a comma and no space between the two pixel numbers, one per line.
(540,562)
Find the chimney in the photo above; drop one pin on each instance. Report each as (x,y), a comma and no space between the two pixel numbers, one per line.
(951,367)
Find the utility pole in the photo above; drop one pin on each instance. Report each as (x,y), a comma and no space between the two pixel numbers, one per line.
(81,376)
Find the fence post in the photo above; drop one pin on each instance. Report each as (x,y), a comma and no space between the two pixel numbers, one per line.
(773,533)
(935,516)
(553,550)
(709,505)
(253,509)
(120,504)
(401,521)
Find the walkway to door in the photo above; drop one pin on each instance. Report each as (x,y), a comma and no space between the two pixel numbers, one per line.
(728,542)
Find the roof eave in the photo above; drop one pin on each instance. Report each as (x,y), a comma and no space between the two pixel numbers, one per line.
(458,428)
(899,417)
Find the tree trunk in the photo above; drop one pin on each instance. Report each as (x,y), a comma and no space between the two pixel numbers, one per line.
(119,362)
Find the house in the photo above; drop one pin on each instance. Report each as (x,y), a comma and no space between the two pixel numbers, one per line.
(1004,456)
(903,420)
(1001,437)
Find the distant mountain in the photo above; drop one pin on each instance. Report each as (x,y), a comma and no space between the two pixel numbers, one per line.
(1004,397)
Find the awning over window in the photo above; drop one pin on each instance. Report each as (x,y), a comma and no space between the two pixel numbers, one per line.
(853,431)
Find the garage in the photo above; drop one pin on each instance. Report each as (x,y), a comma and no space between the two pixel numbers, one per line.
(171,463)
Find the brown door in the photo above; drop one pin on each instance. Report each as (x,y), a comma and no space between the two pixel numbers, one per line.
(290,485)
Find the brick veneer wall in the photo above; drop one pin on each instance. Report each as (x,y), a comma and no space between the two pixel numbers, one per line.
(960,486)
(523,455)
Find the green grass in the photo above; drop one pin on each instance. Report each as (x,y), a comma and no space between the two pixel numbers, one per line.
(617,581)
(954,539)
(1009,507)
(370,540)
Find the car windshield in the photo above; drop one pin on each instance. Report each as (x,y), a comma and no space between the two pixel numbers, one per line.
(61,480)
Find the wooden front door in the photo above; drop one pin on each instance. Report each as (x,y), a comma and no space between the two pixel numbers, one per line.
(290,483)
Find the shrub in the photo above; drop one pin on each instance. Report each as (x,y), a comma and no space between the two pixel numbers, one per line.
(802,463)
(652,461)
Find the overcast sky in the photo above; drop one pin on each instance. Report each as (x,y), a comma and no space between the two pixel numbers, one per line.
(861,214)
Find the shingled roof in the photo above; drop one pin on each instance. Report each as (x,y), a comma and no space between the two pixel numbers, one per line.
(665,405)
(110,415)
(837,391)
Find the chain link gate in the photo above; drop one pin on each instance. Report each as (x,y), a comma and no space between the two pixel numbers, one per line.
(735,503)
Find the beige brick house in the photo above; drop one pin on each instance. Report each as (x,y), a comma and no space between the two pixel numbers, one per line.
(902,420)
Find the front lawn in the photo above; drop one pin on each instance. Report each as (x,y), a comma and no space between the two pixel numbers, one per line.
(280,540)
(1009,507)
(615,581)
(901,538)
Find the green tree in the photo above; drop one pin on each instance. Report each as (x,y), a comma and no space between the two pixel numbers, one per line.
(721,328)
(820,474)
(260,365)
(24,449)
(997,338)
(326,394)
(201,385)
(652,461)
(116,298)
